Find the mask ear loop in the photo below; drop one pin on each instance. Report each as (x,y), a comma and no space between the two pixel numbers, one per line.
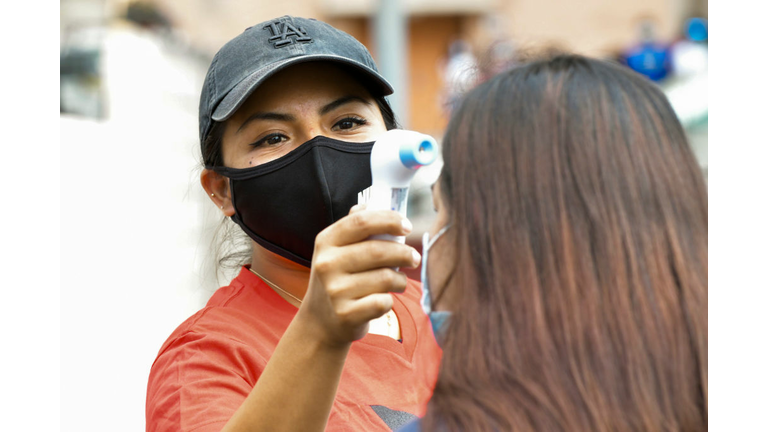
(447,284)
(450,275)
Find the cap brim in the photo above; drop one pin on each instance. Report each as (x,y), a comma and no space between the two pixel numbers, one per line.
(235,98)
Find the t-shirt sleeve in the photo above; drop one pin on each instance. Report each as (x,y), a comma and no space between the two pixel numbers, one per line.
(198,381)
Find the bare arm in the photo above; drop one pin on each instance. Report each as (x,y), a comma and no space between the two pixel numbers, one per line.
(349,285)
(297,388)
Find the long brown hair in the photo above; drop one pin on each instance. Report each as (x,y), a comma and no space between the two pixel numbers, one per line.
(580,225)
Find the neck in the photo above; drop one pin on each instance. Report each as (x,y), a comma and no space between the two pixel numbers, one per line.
(291,277)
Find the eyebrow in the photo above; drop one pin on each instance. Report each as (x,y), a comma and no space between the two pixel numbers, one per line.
(342,101)
(267,116)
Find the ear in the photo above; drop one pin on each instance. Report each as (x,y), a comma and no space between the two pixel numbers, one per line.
(217,188)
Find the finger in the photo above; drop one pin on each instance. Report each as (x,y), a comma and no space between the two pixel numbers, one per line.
(358,285)
(374,254)
(362,224)
(370,307)
(358,207)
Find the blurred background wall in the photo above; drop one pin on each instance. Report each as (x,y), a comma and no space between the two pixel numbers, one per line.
(139,226)
(602,28)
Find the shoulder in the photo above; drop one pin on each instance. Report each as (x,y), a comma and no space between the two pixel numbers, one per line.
(208,327)
(215,320)
(212,360)
(233,321)
(224,329)
(203,372)
(201,375)
(199,380)
(216,340)
(237,312)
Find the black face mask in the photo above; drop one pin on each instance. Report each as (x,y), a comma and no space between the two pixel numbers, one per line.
(285,203)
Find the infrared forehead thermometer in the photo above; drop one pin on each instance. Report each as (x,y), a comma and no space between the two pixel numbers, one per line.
(395,158)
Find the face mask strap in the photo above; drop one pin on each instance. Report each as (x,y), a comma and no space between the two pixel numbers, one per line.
(447,283)
(438,234)
(428,243)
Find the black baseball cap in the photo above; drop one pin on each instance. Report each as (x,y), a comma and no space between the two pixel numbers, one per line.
(246,61)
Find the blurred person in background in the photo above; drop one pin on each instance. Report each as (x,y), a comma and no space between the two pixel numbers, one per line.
(649,57)
(308,334)
(566,270)
(459,73)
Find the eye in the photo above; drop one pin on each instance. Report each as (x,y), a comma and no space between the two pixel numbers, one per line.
(349,123)
(270,140)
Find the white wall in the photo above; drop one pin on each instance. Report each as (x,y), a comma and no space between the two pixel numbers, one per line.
(132,217)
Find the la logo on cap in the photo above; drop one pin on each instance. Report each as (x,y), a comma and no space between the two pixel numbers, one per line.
(288,35)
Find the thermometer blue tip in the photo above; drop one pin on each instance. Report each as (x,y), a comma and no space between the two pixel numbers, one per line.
(414,155)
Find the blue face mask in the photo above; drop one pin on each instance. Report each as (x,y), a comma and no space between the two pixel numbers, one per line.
(439,319)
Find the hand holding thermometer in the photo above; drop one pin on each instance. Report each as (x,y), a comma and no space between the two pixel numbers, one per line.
(395,158)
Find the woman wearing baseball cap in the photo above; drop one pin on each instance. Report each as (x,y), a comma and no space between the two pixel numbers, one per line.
(309,334)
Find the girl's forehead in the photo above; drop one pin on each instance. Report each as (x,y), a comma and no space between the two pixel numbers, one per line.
(305,84)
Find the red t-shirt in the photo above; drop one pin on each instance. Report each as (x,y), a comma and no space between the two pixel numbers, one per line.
(211,362)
